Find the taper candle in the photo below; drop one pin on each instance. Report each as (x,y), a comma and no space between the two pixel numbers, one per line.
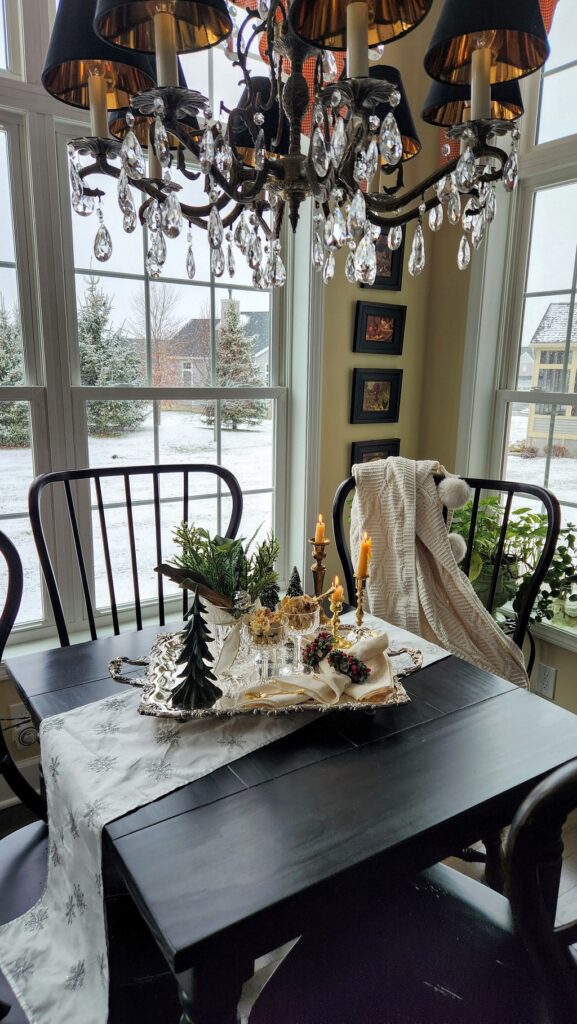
(364,556)
(320,531)
(338,592)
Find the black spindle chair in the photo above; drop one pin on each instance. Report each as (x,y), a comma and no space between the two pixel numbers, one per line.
(508,490)
(442,948)
(67,479)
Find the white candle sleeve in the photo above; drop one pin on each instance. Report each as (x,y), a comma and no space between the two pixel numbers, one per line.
(358,40)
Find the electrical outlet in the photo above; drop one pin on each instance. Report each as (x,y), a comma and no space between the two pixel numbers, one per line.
(546,681)
(23,733)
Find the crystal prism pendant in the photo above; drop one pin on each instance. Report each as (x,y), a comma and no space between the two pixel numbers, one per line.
(366,259)
(319,154)
(330,69)
(395,237)
(223,157)
(254,251)
(260,151)
(278,271)
(417,257)
(360,170)
(215,228)
(338,142)
(161,146)
(75,179)
(390,142)
(471,210)
(82,204)
(156,255)
(230,260)
(339,228)
(464,253)
(129,220)
(217,263)
(206,152)
(103,241)
(454,208)
(372,159)
(491,204)
(242,234)
(131,155)
(466,171)
(190,262)
(479,230)
(511,171)
(153,216)
(329,268)
(350,268)
(436,218)
(171,216)
(357,214)
(318,252)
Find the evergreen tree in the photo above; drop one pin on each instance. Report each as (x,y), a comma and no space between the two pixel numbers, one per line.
(14,419)
(107,358)
(269,598)
(235,366)
(295,588)
(197,689)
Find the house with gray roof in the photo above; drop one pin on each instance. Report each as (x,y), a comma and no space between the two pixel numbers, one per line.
(548,347)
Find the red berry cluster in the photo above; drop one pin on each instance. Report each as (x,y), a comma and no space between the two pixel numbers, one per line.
(318,649)
(349,666)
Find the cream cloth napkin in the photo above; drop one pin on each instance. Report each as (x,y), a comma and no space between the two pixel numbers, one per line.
(325,686)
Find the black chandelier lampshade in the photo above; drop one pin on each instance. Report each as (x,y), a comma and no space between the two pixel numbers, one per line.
(324,22)
(75,52)
(199,24)
(513,29)
(239,133)
(403,116)
(446,105)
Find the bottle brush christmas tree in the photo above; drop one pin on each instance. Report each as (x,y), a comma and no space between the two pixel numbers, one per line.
(269,597)
(197,689)
(294,588)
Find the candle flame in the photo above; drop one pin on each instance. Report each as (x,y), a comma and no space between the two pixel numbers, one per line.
(320,518)
(336,581)
(365,535)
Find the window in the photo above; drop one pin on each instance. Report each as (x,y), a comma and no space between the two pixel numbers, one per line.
(558,115)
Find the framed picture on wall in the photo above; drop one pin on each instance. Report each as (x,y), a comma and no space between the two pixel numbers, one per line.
(389,265)
(369,451)
(376,396)
(379,329)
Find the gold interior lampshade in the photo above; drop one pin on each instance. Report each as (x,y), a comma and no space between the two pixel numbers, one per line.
(199,24)
(75,52)
(513,29)
(448,105)
(324,22)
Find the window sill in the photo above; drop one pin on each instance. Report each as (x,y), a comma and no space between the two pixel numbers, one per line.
(557,634)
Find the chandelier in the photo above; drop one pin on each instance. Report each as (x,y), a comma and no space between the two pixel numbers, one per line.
(119,59)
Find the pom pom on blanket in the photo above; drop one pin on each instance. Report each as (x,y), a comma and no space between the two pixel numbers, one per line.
(458,546)
(453,492)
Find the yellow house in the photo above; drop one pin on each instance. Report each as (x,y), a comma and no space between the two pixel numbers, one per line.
(548,346)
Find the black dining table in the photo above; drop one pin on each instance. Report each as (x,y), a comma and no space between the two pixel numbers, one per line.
(307,830)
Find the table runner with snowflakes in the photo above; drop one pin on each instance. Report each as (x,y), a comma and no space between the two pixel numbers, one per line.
(100,762)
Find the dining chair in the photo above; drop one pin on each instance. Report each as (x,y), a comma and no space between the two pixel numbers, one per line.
(132,490)
(442,948)
(508,491)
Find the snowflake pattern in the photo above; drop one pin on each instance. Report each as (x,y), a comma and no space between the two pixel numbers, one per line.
(61,834)
(168,733)
(76,977)
(79,899)
(160,770)
(73,826)
(92,813)
(54,854)
(70,910)
(36,918)
(98,882)
(114,703)
(54,724)
(54,767)
(103,764)
(102,967)
(109,728)
(232,743)
(21,968)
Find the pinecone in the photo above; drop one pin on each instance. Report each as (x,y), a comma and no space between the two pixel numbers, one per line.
(294,588)
(270,597)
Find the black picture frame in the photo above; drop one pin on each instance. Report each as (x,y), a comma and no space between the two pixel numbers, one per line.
(368,451)
(389,265)
(382,403)
(371,319)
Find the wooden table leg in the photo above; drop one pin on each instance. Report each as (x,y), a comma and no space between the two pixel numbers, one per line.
(210,993)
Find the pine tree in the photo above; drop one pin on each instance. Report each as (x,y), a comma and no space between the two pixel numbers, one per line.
(14,419)
(294,588)
(269,597)
(235,366)
(107,358)
(197,689)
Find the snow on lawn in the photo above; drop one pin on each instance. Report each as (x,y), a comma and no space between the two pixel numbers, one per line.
(562,471)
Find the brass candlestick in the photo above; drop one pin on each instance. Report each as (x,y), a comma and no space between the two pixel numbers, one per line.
(336,609)
(318,570)
(360,584)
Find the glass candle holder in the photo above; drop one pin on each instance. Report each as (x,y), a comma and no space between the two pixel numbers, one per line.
(301,624)
(265,636)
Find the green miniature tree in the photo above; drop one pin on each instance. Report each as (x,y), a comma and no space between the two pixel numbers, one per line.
(269,597)
(197,689)
(295,588)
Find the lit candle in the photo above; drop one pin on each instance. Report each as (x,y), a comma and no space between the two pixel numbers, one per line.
(337,593)
(481,84)
(358,40)
(97,92)
(320,531)
(365,551)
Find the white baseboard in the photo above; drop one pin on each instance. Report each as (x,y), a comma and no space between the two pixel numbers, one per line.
(29,769)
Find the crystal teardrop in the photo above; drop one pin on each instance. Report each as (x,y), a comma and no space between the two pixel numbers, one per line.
(223,157)
(357,214)
(215,228)
(491,204)
(436,218)
(466,171)
(338,142)
(260,151)
(319,154)
(161,146)
(132,156)
(339,228)
(206,152)
(190,263)
(153,216)
(464,253)
(329,230)
(75,179)
(329,268)
(129,220)
(479,230)
(318,252)
(360,172)
(278,272)
(330,69)
(417,257)
(471,210)
(171,216)
(454,208)
(257,278)
(230,261)
(103,244)
(242,233)
(350,268)
(156,255)
(395,237)
(254,251)
(390,141)
(511,171)
(82,204)
(217,263)
(366,260)
(372,159)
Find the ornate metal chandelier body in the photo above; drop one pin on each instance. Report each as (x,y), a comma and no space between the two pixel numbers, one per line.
(256,170)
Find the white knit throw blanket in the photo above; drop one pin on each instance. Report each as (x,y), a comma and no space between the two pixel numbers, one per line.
(414,579)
